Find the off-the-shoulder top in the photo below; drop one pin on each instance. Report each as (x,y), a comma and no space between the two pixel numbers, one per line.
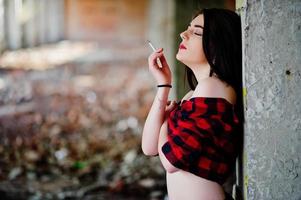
(202,137)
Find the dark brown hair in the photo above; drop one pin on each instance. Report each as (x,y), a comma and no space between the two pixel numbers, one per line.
(223,50)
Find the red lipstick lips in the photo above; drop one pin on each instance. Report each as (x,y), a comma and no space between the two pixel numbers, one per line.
(182,46)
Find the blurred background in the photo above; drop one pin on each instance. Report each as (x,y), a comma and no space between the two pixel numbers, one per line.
(75,91)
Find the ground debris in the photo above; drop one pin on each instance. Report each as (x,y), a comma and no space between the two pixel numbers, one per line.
(74,131)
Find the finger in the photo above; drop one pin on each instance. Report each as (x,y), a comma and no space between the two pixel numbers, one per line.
(159,50)
(163,60)
(153,64)
(155,54)
(172,104)
(153,59)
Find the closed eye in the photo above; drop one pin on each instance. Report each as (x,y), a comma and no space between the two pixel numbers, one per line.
(199,34)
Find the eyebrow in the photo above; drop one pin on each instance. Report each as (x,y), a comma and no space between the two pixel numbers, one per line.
(197,26)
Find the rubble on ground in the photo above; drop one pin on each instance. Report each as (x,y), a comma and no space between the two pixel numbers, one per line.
(74,130)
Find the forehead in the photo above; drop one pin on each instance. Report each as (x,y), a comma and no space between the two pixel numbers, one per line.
(198,20)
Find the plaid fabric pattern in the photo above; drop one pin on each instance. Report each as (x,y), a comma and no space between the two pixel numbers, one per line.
(202,137)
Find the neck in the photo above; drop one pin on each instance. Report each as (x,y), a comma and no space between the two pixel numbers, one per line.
(201,71)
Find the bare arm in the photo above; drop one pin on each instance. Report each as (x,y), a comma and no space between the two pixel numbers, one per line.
(156,114)
(154,121)
(163,139)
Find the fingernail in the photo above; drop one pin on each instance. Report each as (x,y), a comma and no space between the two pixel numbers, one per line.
(159,50)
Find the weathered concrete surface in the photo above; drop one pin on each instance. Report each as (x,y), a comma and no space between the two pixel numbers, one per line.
(272,73)
(2,44)
(160,31)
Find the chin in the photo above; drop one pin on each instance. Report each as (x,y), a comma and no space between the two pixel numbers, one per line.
(179,58)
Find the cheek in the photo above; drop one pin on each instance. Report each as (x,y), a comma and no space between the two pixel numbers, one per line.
(198,53)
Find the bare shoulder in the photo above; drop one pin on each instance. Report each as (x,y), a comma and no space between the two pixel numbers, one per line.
(213,87)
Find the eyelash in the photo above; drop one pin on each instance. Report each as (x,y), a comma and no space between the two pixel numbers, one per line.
(199,34)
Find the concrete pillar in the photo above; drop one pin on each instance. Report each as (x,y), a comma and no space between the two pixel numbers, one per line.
(41,21)
(272,78)
(2,39)
(160,32)
(54,19)
(13,34)
(30,27)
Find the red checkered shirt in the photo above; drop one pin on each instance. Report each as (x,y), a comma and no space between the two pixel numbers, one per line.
(202,137)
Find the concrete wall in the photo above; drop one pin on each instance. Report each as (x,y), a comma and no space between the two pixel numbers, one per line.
(272,72)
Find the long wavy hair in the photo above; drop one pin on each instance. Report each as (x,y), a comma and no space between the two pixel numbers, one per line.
(222,45)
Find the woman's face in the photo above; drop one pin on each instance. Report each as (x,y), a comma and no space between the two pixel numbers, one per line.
(191,48)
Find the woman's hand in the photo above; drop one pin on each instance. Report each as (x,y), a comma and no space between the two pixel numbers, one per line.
(169,107)
(162,75)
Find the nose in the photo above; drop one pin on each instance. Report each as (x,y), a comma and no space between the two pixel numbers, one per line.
(183,35)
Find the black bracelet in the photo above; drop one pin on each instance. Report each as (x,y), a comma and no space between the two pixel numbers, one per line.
(164,85)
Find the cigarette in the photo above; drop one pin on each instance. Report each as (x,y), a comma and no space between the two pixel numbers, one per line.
(154,49)
(150,44)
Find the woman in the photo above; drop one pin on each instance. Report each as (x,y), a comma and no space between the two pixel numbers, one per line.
(198,139)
